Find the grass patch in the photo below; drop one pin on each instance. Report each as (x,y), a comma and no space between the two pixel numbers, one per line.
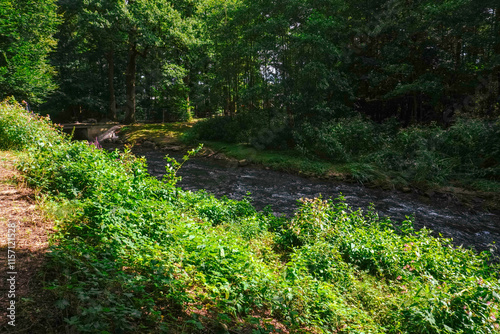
(482,185)
(289,161)
(160,134)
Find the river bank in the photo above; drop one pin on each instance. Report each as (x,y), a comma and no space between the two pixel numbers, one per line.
(470,227)
(172,137)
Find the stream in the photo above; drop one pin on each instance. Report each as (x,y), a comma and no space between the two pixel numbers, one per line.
(469,228)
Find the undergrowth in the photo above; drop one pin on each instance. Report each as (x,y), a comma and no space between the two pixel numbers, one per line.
(135,254)
(467,154)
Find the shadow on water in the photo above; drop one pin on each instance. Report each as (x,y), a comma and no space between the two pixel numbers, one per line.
(282,190)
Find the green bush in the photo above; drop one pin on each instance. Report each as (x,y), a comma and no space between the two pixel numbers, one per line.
(20,129)
(439,288)
(469,149)
(259,130)
(226,129)
(341,140)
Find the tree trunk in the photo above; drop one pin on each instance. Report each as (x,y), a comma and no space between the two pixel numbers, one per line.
(497,46)
(111,87)
(186,83)
(130,85)
(415,109)
(457,52)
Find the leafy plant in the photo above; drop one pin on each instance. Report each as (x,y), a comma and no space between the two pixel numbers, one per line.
(21,129)
(173,166)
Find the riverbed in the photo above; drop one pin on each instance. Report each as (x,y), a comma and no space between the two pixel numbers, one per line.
(467,227)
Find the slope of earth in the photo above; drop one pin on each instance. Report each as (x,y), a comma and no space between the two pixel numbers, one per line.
(24,234)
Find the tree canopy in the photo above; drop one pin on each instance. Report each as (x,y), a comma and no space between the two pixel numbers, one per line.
(288,62)
(27,28)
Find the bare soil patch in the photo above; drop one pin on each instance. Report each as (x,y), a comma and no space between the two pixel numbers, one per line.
(18,207)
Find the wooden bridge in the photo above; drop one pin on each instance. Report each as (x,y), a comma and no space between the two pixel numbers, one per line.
(91,131)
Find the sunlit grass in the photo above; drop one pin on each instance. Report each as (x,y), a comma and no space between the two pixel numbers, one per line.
(165,133)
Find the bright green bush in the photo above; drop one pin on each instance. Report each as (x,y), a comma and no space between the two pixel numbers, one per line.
(439,288)
(20,129)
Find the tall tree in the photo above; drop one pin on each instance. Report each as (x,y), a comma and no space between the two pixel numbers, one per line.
(27,30)
(149,24)
(105,30)
(122,44)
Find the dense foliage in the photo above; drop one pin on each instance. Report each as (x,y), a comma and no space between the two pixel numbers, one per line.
(21,130)
(282,63)
(26,39)
(116,58)
(135,254)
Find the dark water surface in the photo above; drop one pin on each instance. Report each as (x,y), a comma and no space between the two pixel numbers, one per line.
(282,190)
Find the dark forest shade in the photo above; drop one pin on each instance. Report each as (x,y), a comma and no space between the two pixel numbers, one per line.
(287,66)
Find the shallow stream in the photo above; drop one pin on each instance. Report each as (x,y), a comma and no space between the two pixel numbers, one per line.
(281,190)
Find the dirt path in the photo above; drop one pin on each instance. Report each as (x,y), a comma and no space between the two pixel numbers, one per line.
(18,210)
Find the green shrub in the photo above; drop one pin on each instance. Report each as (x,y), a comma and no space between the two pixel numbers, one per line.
(420,155)
(426,273)
(226,129)
(468,148)
(341,140)
(20,129)
(259,130)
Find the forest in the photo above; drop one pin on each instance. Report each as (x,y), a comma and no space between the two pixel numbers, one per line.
(416,82)
(402,95)
(288,64)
